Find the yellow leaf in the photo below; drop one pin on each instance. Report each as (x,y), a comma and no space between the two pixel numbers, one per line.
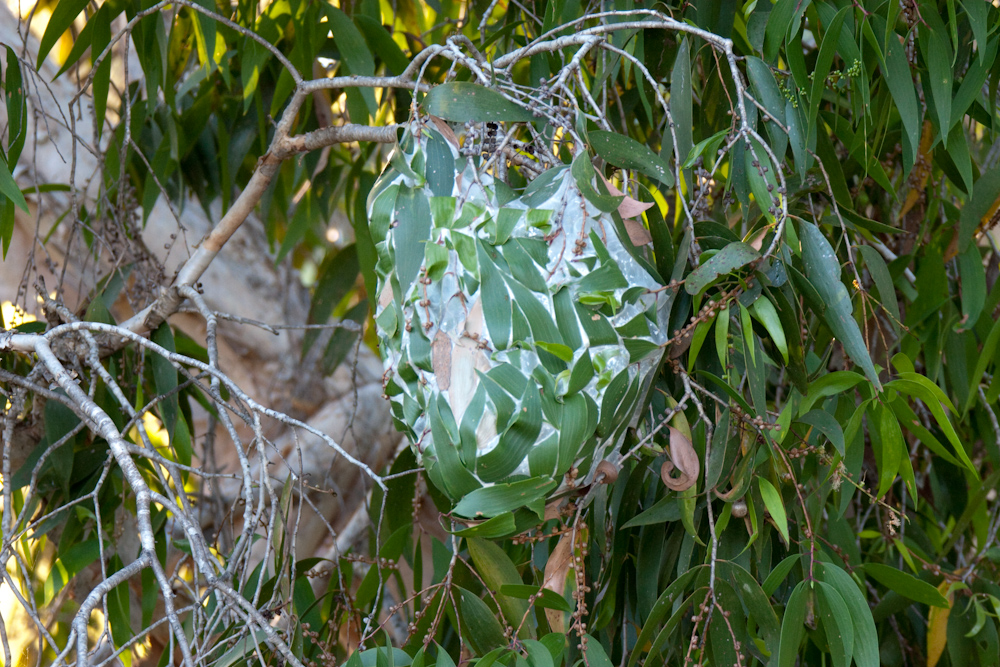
(937,627)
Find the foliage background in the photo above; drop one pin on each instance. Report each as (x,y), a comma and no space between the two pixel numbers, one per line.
(827,221)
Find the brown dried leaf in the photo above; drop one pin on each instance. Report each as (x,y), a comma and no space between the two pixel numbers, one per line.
(638,234)
(445,129)
(474,320)
(441,360)
(615,192)
(629,208)
(385,296)
(556,569)
(684,459)
(681,346)
(553,510)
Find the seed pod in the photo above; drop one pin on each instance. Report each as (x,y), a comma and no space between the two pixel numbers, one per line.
(739,508)
(606,473)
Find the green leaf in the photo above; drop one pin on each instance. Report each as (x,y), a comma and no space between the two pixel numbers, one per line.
(722,334)
(584,174)
(495,500)
(102,77)
(17,109)
(883,282)
(865,652)
(497,571)
(306,214)
(763,184)
(543,329)
(547,599)
(354,50)
(973,275)
(482,630)
(662,511)
(336,277)
(595,655)
(764,311)
(778,574)
(414,215)
(583,371)
(909,420)
(827,425)
(774,505)
(778,22)
(626,152)
(896,72)
(497,312)
(498,526)
(906,585)
(821,69)
(697,340)
(754,598)
(118,609)
(984,195)
(829,385)
(918,386)
(887,441)
(823,271)
(727,260)
(705,147)
(440,168)
(343,339)
(463,102)
(9,189)
(165,378)
(937,52)
(381,43)
(577,425)
(982,361)
(720,446)
(792,627)
(769,95)
(797,137)
(661,608)
(978,14)
(837,624)
(681,99)
(62,17)
(516,442)
(538,653)
(972,83)
(254,56)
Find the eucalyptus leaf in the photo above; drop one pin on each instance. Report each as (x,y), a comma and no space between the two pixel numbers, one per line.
(733,256)
(463,102)
(623,151)
(823,271)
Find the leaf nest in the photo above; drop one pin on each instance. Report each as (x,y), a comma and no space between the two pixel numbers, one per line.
(520,331)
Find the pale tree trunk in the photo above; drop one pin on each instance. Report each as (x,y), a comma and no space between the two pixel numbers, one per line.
(242,281)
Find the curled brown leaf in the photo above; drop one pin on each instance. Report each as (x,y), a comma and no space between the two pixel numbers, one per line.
(684,459)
